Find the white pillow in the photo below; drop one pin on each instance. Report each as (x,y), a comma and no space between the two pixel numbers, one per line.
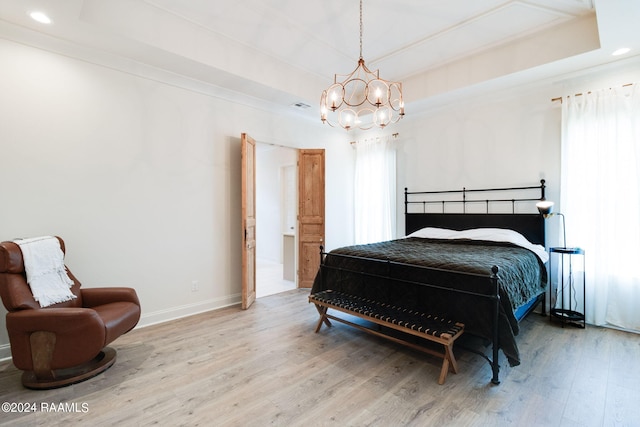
(486,234)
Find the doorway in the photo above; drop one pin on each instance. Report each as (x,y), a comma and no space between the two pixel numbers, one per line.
(276,213)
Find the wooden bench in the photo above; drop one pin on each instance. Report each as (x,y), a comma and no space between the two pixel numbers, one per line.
(429,327)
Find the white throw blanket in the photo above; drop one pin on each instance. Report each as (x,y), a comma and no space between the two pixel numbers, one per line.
(46,273)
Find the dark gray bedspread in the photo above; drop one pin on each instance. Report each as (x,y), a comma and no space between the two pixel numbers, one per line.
(456,264)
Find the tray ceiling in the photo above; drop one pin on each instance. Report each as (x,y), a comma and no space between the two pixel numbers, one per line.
(286,51)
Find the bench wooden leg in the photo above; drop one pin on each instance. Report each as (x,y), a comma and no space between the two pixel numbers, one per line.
(452,359)
(444,370)
(448,363)
(323,317)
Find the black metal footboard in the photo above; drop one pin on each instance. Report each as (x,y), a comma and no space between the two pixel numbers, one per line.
(352,274)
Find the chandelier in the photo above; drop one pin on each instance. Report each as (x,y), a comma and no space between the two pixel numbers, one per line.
(362,99)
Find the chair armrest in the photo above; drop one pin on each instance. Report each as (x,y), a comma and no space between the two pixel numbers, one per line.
(64,321)
(93,297)
(79,333)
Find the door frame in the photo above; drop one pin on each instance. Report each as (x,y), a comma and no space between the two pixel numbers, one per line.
(311,260)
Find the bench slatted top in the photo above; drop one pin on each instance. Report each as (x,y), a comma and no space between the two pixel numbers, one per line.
(424,323)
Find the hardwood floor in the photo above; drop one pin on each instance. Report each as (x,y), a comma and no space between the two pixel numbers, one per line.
(265,366)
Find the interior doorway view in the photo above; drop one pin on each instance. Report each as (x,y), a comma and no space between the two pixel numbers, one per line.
(276,212)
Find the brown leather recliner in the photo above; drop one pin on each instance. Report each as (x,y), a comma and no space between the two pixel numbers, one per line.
(64,343)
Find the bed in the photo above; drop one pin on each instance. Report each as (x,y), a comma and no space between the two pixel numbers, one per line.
(451,263)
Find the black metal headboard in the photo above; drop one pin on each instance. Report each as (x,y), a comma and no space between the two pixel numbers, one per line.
(509,207)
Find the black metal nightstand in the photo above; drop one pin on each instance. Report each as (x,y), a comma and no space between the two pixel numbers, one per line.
(567,312)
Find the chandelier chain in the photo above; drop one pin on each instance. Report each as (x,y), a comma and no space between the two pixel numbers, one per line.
(360,29)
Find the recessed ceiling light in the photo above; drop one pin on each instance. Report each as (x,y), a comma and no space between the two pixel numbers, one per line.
(41,17)
(621,51)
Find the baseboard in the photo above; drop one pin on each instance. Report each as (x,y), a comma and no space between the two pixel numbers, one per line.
(173,313)
(161,316)
(5,352)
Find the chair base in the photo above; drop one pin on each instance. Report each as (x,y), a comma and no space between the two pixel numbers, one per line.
(67,376)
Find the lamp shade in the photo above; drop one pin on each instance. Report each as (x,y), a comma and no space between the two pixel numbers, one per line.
(545,207)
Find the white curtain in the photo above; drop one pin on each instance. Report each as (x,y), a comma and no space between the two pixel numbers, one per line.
(600,197)
(375,190)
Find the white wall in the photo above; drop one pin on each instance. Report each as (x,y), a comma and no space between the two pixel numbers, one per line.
(507,138)
(481,143)
(141,178)
(485,142)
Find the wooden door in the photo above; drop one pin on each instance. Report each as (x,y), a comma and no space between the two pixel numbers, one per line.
(248,156)
(310,214)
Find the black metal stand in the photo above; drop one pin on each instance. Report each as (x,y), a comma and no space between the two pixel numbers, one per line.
(566,313)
